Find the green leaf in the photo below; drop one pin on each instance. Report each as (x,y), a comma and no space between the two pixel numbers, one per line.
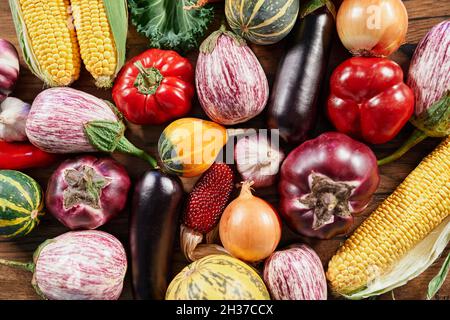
(437,282)
(168,25)
(315,5)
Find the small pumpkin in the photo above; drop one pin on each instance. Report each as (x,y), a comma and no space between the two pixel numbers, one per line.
(262,21)
(189,146)
(21,204)
(217,277)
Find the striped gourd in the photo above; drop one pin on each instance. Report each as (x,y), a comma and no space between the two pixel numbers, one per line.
(402,237)
(21,204)
(47,39)
(217,277)
(189,146)
(262,21)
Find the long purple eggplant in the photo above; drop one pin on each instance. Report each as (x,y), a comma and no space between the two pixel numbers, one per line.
(153,225)
(293,102)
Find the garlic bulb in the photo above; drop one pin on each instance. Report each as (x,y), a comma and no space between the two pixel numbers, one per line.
(258,160)
(13,116)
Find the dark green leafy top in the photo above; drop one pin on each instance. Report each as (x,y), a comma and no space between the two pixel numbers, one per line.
(168,25)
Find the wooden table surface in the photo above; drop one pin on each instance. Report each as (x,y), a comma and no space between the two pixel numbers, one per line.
(14,284)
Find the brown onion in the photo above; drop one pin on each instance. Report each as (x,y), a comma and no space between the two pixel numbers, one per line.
(372,27)
(250,229)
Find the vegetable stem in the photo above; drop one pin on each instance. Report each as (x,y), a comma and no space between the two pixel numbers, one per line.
(125,146)
(314,5)
(416,137)
(27,266)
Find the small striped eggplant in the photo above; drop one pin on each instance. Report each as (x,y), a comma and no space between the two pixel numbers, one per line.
(231,84)
(429,79)
(9,68)
(295,273)
(78,265)
(65,120)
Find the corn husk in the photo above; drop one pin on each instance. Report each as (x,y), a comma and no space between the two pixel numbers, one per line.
(26,46)
(117,13)
(410,265)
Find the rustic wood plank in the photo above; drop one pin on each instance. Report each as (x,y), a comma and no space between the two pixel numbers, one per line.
(15,284)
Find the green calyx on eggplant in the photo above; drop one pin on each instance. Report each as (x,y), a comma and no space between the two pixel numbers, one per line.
(154,221)
(293,102)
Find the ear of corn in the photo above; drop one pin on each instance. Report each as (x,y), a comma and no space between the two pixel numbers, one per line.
(51,44)
(47,39)
(396,243)
(101,27)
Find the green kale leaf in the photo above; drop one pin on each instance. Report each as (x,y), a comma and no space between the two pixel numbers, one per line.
(168,25)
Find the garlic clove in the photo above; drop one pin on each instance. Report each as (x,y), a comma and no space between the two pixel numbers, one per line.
(13,117)
(258,160)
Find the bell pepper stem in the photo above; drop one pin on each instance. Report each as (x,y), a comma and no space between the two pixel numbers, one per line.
(125,146)
(27,266)
(416,137)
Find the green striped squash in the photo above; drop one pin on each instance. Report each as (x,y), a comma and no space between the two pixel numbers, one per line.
(217,277)
(21,204)
(262,21)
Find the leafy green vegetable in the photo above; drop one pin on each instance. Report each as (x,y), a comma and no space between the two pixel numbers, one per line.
(167,23)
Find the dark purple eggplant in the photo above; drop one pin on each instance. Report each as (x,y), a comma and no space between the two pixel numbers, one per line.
(293,102)
(154,221)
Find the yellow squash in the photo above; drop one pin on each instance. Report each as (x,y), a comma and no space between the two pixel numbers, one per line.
(189,146)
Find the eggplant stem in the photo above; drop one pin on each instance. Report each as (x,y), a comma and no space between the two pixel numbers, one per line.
(27,266)
(126,146)
(416,137)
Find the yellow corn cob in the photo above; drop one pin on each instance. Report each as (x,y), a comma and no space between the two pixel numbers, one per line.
(96,40)
(53,40)
(405,218)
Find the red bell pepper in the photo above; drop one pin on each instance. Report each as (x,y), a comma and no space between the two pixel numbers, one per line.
(368,99)
(154,87)
(19,156)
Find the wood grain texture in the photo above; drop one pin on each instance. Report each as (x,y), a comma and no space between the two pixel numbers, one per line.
(15,284)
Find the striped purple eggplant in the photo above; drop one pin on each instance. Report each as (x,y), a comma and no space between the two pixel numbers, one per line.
(429,71)
(57,117)
(231,84)
(65,120)
(9,68)
(429,78)
(295,273)
(78,265)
